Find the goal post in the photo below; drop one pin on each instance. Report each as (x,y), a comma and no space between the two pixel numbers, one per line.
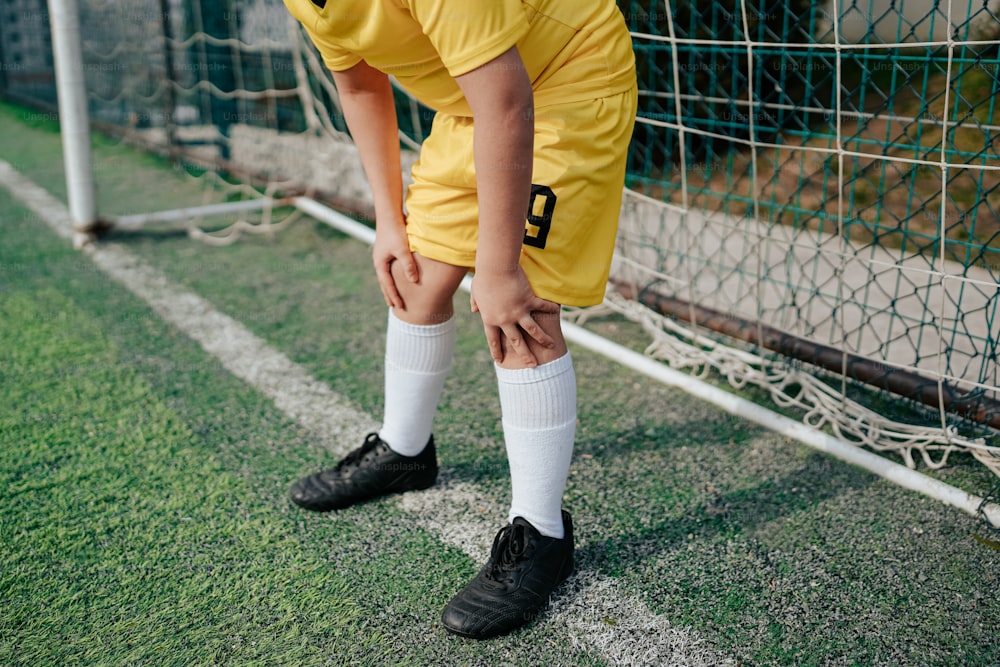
(74,121)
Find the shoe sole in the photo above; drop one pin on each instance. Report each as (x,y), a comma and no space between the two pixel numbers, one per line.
(317,507)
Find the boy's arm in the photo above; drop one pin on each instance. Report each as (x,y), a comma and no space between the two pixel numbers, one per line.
(501,99)
(367,102)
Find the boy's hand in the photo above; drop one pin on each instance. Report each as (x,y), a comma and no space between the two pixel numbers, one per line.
(508,306)
(391,245)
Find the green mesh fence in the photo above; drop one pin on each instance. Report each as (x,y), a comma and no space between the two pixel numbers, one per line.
(831,172)
(813,184)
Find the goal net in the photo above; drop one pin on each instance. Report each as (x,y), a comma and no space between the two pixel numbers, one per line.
(818,182)
(812,196)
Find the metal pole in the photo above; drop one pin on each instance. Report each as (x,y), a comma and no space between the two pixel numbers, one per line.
(169,94)
(67,51)
(970,405)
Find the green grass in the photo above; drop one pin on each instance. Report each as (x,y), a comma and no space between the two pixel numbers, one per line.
(127,540)
(144,514)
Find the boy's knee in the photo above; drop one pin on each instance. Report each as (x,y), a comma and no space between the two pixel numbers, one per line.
(429,300)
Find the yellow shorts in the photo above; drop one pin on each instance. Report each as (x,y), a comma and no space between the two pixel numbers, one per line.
(577,178)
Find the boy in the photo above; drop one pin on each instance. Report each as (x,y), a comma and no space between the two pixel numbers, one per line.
(520,182)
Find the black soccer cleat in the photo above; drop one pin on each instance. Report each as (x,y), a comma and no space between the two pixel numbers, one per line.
(515,584)
(371,470)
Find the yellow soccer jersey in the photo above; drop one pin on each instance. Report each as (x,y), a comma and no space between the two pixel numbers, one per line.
(573,49)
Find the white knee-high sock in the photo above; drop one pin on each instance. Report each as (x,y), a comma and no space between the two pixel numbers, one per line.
(539,426)
(417,361)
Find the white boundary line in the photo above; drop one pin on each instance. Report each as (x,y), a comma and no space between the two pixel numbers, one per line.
(638,636)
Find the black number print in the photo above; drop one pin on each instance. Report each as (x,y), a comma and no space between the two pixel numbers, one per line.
(536,230)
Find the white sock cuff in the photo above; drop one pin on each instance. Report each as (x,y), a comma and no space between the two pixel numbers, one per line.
(538,398)
(421,329)
(563,364)
(419,348)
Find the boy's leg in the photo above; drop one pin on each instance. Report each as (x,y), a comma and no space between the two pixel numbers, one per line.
(577,175)
(534,553)
(538,408)
(420,341)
